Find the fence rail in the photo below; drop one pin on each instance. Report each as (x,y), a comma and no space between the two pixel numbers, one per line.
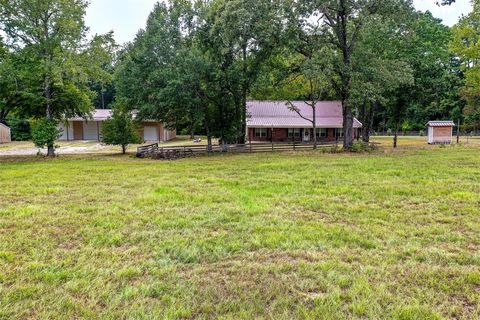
(421,133)
(174,152)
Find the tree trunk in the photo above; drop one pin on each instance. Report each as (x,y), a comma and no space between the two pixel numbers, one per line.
(124,149)
(48,96)
(243,109)
(368,121)
(209,143)
(345,74)
(103,97)
(47,56)
(315,142)
(348,135)
(209,136)
(395,139)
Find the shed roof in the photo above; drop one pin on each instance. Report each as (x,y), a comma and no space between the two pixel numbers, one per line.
(277,114)
(441,124)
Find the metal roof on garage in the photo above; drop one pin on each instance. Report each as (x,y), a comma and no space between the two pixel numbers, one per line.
(101,115)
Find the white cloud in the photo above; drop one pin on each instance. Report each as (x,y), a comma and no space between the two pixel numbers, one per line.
(124,17)
(449,14)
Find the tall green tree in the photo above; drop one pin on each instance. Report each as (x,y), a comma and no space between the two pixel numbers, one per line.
(342,23)
(240,36)
(100,58)
(159,72)
(57,62)
(434,93)
(8,88)
(121,129)
(378,71)
(195,63)
(465,45)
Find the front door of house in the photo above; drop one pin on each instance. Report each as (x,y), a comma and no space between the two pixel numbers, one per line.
(306,135)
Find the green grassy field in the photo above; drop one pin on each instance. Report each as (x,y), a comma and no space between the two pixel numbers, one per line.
(275,236)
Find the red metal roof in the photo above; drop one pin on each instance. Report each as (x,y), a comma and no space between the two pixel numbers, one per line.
(441,124)
(277,114)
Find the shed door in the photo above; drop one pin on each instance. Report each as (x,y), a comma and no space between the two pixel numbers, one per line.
(150,133)
(90,131)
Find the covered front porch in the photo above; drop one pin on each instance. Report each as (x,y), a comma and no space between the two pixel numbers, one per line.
(295,134)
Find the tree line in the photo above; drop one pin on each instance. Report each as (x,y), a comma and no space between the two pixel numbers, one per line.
(197,63)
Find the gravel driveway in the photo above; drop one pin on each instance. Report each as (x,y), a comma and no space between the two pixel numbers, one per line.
(27,148)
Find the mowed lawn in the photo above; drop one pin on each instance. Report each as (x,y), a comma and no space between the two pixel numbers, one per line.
(275,236)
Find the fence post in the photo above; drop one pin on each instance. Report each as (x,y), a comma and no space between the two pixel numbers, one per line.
(458,132)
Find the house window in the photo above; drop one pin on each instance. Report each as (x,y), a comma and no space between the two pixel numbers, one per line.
(260,132)
(294,133)
(321,133)
(339,133)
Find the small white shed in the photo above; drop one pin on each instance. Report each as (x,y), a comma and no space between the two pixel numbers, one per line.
(5,134)
(440,132)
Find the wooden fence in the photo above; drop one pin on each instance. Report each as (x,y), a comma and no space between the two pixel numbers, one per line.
(158,152)
(5,135)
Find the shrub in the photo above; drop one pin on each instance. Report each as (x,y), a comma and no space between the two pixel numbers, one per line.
(359,147)
(120,130)
(45,132)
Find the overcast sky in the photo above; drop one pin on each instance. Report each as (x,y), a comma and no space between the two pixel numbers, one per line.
(126,17)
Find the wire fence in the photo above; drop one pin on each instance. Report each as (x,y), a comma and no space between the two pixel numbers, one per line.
(421,133)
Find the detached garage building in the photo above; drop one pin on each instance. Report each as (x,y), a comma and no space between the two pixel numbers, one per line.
(440,132)
(91,129)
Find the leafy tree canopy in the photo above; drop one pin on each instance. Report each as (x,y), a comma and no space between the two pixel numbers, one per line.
(53,62)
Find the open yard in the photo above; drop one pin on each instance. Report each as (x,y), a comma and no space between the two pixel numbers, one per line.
(276,236)
(26,148)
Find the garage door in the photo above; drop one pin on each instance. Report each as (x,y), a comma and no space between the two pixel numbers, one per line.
(90,131)
(150,134)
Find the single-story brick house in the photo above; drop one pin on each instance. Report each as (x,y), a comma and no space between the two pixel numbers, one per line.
(274,121)
(91,129)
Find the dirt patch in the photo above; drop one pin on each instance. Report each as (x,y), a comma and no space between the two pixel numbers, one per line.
(29,151)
